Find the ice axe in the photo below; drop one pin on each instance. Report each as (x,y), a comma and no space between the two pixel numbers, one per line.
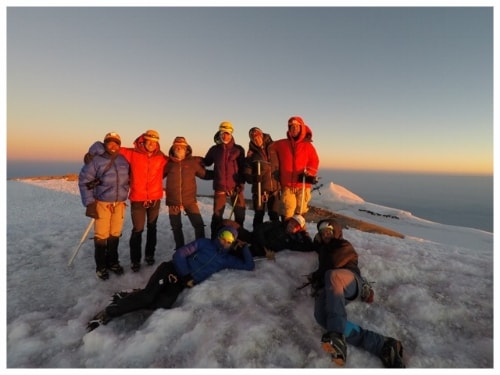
(259,187)
(303,191)
(82,240)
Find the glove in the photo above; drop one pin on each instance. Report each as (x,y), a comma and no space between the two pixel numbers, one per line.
(270,255)
(308,179)
(91,210)
(187,281)
(238,244)
(257,178)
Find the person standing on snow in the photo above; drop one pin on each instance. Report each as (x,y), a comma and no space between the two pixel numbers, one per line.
(337,282)
(104,186)
(258,173)
(181,172)
(190,265)
(147,163)
(228,159)
(295,164)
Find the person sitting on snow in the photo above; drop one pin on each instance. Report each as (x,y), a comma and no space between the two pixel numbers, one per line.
(336,282)
(190,265)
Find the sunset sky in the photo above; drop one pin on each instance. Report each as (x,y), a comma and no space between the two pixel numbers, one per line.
(400,89)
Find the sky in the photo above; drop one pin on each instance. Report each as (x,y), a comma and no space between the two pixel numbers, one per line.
(382,88)
(433,291)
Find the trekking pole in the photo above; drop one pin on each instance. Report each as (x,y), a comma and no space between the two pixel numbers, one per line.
(234,205)
(259,187)
(82,240)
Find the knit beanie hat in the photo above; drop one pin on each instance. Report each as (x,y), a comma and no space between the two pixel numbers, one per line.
(152,135)
(226,127)
(180,141)
(113,137)
(254,131)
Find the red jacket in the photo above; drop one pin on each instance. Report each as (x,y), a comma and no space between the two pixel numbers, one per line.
(146,171)
(291,157)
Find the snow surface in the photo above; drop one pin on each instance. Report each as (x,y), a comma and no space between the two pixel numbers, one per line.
(433,291)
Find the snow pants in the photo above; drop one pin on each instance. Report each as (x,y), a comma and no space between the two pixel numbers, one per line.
(161,291)
(341,287)
(291,201)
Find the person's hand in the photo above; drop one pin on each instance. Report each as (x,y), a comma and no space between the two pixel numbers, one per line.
(270,255)
(308,179)
(188,281)
(258,178)
(91,210)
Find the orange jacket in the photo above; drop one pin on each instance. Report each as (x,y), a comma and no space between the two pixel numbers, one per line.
(146,171)
(290,157)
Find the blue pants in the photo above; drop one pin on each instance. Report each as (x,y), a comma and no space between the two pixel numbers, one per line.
(341,287)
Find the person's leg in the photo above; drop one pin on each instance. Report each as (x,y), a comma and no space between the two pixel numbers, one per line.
(240,208)
(340,284)
(141,298)
(194,216)
(101,234)
(138,215)
(174,215)
(153,211)
(273,206)
(117,218)
(288,203)
(303,206)
(258,217)
(219,206)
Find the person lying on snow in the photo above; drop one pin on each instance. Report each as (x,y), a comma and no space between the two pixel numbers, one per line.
(273,236)
(190,265)
(337,282)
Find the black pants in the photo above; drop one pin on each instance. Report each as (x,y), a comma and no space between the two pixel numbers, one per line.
(161,291)
(144,214)
(193,212)
(220,200)
(271,205)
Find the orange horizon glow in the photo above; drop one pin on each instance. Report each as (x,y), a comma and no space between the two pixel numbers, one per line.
(367,167)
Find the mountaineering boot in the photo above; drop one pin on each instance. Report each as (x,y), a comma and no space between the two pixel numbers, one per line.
(102,273)
(112,255)
(100,318)
(117,269)
(100,248)
(135,267)
(149,251)
(135,250)
(334,343)
(392,353)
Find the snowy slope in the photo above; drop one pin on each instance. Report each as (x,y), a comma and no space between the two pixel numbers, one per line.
(433,291)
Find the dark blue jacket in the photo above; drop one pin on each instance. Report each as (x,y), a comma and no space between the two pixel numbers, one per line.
(114,186)
(229,162)
(202,258)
